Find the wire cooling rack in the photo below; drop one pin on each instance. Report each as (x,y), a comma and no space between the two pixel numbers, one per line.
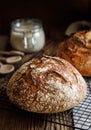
(78,118)
(82,112)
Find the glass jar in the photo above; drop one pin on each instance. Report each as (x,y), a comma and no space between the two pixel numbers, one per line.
(27,35)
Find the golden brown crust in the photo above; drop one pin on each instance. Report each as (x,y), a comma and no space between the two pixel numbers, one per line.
(46,85)
(77,50)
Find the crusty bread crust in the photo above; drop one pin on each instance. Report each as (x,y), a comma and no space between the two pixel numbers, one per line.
(46,85)
(77,50)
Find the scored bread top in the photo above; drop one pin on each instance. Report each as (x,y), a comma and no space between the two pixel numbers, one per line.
(46,85)
(77,50)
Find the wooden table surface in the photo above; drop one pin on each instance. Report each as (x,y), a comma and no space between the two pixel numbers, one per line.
(13,118)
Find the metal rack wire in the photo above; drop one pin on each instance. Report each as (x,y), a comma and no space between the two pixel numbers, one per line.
(78,118)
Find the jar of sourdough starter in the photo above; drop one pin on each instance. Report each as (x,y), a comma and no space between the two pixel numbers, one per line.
(27,35)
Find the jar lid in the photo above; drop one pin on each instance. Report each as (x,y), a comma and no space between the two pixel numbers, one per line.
(26,25)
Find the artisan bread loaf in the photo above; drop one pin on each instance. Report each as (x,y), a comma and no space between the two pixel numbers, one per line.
(46,85)
(77,50)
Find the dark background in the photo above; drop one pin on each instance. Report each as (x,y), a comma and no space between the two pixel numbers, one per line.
(54,14)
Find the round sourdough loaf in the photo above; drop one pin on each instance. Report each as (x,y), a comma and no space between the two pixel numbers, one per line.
(77,50)
(46,85)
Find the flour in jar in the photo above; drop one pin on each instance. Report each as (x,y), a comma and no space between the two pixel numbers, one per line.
(27,37)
